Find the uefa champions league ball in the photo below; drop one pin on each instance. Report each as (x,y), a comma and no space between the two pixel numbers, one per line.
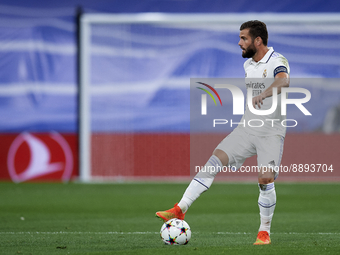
(175,232)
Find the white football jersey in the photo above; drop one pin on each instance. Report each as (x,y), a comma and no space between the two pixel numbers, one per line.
(259,76)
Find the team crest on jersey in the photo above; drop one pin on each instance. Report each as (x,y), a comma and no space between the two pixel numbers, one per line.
(264,75)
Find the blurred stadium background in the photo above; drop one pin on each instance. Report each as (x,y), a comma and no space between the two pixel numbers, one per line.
(139,108)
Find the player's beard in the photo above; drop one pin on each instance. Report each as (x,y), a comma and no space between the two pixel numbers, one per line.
(250,51)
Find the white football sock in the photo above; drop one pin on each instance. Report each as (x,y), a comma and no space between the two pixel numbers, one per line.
(267,202)
(201,182)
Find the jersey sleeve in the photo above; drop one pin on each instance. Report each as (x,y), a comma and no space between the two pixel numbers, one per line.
(280,65)
(245,64)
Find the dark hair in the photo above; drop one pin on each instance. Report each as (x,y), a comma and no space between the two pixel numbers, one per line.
(256,28)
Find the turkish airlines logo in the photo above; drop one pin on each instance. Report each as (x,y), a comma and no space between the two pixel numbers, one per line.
(33,156)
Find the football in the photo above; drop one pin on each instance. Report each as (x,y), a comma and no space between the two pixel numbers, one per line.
(175,232)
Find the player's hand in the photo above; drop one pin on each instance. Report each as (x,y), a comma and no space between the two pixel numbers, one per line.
(258,100)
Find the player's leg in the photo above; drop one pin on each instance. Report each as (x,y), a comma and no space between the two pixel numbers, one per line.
(232,151)
(203,179)
(266,202)
(200,183)
(269,158)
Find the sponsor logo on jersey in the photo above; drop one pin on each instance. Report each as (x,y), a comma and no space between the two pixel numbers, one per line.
(255,85)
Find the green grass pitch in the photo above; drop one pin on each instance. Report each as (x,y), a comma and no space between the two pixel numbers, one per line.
(51,218)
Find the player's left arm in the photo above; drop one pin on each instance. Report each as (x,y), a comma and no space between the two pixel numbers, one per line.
(281,80)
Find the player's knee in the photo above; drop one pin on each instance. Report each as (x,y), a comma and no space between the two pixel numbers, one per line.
(266,175)
(223,157)
(265,180)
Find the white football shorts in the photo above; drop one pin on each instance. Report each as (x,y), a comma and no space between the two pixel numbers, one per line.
(239,146)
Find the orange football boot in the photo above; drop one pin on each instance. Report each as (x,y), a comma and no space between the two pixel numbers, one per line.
(175,212)
(262,238)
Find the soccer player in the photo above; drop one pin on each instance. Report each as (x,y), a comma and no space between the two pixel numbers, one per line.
(265,69)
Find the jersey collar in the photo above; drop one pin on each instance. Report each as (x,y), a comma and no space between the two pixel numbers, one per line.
(266,57)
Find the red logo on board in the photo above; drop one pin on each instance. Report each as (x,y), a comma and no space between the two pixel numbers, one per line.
(32,156)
